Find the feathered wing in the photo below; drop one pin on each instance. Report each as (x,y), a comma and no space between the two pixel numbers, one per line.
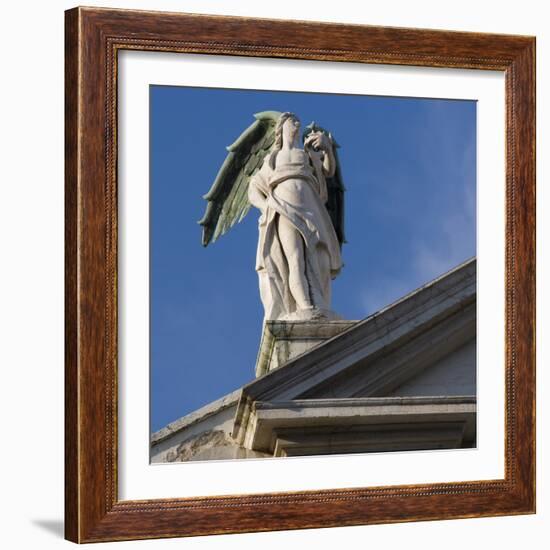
(228,197)
(335,186)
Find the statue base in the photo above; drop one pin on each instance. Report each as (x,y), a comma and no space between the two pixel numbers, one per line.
(312,314)
(283,340)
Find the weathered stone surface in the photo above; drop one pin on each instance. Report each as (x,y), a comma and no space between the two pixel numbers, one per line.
(202,443)
(285,340)
(215,417)
(210,445)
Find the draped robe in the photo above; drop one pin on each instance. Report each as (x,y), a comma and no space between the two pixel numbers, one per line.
(307,212)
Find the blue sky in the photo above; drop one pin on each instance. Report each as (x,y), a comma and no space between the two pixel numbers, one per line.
(409,168)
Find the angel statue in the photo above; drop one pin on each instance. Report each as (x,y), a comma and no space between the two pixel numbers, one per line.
(299,192)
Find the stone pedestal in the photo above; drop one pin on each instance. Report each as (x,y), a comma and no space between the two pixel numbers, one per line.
(285,340)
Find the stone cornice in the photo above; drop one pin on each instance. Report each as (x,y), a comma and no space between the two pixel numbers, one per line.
(331,419)
(196,416)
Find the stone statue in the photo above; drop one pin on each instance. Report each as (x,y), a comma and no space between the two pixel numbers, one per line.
(299,192)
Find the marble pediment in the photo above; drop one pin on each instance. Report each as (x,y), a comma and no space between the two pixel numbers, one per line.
(422,345)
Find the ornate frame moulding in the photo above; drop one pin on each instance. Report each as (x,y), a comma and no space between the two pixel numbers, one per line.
(93,511)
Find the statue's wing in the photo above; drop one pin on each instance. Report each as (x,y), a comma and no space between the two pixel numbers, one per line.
(228,197)
(335,186)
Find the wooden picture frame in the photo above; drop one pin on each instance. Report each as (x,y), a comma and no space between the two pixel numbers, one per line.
(93,511)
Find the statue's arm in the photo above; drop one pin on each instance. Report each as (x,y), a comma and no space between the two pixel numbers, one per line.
(329,162)
(321,142)
(323,191)
(255,196)
(258,188)
(317,162)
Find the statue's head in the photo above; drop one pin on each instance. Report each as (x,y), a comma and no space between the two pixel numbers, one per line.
(286,129)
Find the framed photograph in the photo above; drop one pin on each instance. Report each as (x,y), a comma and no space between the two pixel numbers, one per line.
(300,275)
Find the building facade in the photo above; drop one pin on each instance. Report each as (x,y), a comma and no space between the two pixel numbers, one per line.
(401,379)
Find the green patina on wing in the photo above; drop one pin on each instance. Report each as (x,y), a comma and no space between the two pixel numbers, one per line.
(228,197)
(335,185)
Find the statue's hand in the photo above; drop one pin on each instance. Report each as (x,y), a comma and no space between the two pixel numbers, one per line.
(318,141)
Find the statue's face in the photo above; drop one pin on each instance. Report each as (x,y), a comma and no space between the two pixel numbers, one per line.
(291,129)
